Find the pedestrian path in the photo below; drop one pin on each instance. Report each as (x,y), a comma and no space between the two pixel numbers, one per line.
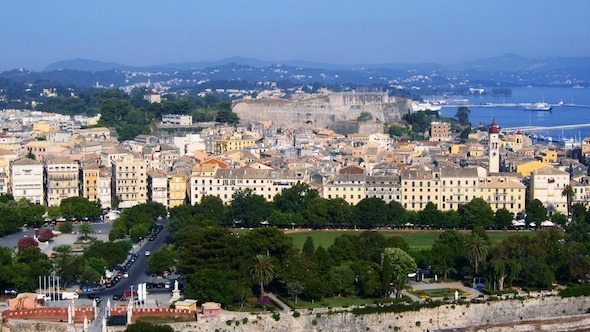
(271,296)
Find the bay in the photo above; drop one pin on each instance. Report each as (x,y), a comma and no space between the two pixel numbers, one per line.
(516,116)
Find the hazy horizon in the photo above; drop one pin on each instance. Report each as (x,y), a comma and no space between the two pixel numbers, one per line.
(38,33)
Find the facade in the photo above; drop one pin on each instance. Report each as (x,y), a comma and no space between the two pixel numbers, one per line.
(440,132)
(546,185)
(27,180)
(61,180)
(104,187)
(350,187)
(157,187)
(129,180)
(503,192)
(224,145)
(458,186)
(418,187)
(90,182)
(223,183)
(176,120)
(177,189)
(387,188)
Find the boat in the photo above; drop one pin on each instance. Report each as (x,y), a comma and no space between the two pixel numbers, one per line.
(542,107)
(426,106)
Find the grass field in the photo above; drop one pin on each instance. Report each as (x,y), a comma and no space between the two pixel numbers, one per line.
(417,240)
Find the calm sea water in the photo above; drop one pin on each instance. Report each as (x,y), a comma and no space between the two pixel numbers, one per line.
(517,116)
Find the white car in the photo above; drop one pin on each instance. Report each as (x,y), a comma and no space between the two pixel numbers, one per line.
(147,252)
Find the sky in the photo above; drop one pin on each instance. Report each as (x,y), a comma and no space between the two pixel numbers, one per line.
(35,33)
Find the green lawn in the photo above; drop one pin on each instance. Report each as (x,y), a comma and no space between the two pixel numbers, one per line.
(417,240)
(332,302)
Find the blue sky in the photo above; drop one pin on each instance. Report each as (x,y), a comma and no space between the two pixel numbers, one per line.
(36,33)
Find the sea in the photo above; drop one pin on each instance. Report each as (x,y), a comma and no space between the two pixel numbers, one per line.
(516,116)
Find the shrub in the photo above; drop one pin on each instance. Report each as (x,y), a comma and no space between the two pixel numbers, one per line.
(296,314)
(228,322)
(577,290)
(245,320)
(27,242)
(314,322)
(276,316)
(66,227)
(45,235)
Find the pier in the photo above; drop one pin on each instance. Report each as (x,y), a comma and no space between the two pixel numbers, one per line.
(512,105)
(532,129)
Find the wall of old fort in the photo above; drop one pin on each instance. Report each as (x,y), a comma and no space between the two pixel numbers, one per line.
(434,319)
(319,112)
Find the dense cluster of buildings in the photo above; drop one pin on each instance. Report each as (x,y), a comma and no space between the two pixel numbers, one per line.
(46,162)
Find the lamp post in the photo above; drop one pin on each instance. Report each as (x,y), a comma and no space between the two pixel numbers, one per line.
(132,296)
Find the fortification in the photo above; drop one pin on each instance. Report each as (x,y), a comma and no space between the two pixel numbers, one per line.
(320,112)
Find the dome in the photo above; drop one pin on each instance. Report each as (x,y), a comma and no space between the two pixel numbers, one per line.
(494,128)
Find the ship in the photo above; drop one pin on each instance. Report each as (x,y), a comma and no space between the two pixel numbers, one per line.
(543,107)
(426,106)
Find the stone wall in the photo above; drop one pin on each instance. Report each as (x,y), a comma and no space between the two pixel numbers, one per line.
(441,318)
(317,112)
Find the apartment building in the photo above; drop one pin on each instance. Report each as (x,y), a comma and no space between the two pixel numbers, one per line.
(90,188)
(350,187)
(440,132)
(546,185)
(233,143)
(505,192)
(385,187)
(176,120)
(459,186)
(104,187)
(177,189)
(4,184)
(223,183)
(418,187)
(157,187)
(129,180)
(61,179)
(27,180)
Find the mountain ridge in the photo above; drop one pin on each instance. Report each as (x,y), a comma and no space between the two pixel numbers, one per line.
(506,62)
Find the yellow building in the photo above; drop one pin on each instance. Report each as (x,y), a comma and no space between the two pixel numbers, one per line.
(61,179)
(90,182)
(129,180)
(458,186)
(224,145)
(503,192)
(527,168)
(548,156)
(350,187)
(440,131)
(419,186)
(177,189)
(6,157)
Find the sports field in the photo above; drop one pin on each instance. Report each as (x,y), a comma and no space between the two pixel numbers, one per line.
(417,240)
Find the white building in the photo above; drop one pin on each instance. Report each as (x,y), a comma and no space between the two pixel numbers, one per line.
(176,120)
(158,187)
(27,180)
(547,184)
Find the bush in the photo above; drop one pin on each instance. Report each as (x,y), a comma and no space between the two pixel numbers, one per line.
(395,308)
(45,234)
(66,227)
(27,242)
(276,316)
(296,314)
(577,290)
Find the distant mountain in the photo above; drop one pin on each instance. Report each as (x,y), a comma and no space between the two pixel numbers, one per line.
(506,62)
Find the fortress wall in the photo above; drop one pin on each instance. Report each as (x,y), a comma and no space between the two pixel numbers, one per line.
(434,319)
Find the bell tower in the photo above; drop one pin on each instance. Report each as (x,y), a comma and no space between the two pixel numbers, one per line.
(494,151)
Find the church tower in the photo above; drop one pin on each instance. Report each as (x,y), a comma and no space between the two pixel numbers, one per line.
(494,151)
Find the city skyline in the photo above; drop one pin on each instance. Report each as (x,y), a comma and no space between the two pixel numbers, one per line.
(146,33)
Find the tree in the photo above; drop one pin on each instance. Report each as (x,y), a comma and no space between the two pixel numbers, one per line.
(161,260)
(397,213)
(535,213)
(248,208)
(463,116)
(401,264)
(262,271)
(340,279)
(569,194)
(27,242)
(386,274)
(476,250)
(503,218)
(66,227)
(373,212)
(211,207)
(295,288)
(227,116)
(309,248)
(447,254)
(317,213)
(364,117)
(210,285)
(79,207)
(578,212)
(45,234)
(477,213)
(85,230)
(296,198)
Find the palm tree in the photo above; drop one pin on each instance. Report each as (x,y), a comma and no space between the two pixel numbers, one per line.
(569,193)
(262,272)
(476,250)
(85,229)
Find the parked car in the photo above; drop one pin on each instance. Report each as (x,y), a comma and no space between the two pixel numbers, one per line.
(147,252)
(128,293)
(119,298)
(10,291)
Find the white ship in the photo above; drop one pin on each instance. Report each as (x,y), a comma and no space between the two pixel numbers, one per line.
(420,107)
(543,107)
